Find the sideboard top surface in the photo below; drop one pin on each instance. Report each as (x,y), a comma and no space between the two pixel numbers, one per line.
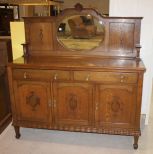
(78,63)
(84,32)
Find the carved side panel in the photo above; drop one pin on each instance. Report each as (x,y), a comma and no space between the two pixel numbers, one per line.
(117,105)
(73,104)
(32,101)
(121,37)
(40,36)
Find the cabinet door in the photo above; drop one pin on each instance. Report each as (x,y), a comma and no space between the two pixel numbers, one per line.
(116,106)
(73,104)
(32,102)
(39,36)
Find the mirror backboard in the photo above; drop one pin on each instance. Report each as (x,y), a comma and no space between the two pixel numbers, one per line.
(83,32)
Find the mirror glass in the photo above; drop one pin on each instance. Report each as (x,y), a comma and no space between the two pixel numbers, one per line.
(81,32)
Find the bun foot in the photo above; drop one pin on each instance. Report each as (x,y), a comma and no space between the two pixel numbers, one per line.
(135,146)
(17,132)
(17,136)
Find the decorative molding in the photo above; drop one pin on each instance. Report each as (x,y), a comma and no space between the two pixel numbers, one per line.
(116,105)
(78,7)
(72,101)
(33,100)
(114,131)
(72,104)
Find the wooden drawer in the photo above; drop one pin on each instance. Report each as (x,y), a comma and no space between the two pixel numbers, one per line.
(31,74)
(105,77)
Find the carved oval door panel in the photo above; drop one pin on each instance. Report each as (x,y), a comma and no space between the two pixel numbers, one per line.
(116,106)
(32,101)
(73,104)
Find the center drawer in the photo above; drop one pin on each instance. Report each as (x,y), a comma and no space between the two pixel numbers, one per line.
(105,77)
(32,74)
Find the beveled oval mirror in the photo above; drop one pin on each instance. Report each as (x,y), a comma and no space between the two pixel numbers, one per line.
(81,32)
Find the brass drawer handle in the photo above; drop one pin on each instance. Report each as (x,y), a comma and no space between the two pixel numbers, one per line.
(49,103)
(54,103)
(121,81)
(122,77)
(55,76)
(96,106)
(25,75)
(87,77)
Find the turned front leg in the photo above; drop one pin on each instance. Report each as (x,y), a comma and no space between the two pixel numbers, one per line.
(135,145)
(17,132)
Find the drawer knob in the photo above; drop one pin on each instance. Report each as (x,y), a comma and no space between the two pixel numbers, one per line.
(87,78)
(49,103)
(54,103)
(96,106)
(55,76)
(25,75)
(122,81)
(122,76)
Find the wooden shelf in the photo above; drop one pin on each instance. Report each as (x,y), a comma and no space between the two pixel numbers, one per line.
(37,2)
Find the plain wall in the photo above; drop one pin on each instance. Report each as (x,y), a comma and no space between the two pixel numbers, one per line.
(17,37)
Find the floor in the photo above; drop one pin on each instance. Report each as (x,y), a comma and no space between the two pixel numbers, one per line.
(34,141)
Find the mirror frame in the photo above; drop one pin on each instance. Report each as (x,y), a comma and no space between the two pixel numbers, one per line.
(76,11)
(84,36)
